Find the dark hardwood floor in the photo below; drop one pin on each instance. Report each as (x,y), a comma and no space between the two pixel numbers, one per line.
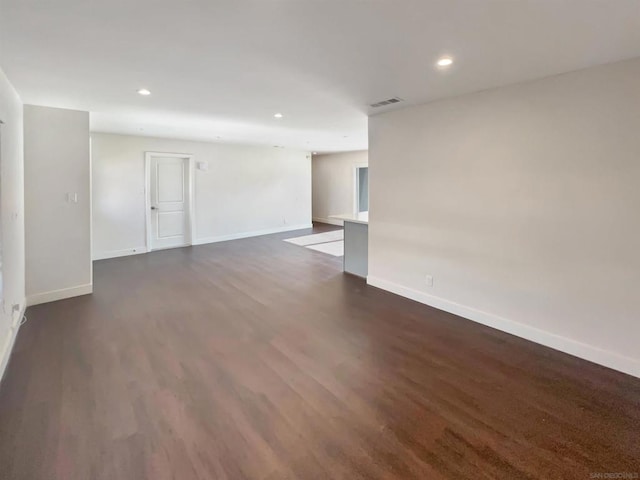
(257,359)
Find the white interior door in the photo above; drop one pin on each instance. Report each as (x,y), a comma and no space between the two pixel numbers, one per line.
(169,202)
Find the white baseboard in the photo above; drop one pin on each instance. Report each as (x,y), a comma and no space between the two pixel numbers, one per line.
(330,221)
(593,354)
(257,233)
(202,241)
(61,294)
(7,348)
(119,253)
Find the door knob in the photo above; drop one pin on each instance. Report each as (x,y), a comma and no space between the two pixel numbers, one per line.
(154,208)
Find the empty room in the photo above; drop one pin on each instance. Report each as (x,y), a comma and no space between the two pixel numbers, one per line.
(319,239)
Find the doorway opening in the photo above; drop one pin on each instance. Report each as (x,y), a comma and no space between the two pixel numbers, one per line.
(361,203)
(169,200)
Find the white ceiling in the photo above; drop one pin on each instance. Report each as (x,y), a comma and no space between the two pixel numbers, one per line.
(219,70)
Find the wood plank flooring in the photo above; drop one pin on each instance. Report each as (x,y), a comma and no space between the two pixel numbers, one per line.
(258,359)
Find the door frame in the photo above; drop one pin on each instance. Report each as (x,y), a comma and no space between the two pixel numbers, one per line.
(191,221)
(356,185)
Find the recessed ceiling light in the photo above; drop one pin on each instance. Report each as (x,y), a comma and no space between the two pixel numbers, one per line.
(278,115)
(444,61)
(144,91)
(315,153)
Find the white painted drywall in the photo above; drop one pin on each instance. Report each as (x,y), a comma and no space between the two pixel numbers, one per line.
(334,184)
(246,190)
(523,203)
(12,217)
(58,232)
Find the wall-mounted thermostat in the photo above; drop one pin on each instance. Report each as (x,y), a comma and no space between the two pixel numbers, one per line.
(204,166)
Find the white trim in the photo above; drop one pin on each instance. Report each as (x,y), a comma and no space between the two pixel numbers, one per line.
(7,348)
(607,358)
(90,208)
(191,227)
(257,233)
(201,241)
(159,249)
(120,253)
(330,221)
(61,294)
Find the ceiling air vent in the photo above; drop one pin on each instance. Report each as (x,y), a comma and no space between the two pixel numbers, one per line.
(384,103)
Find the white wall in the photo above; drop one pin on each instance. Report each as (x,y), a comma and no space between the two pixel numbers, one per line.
(334,184)
(12,217)
(58,232)
(246,191)
(523,202)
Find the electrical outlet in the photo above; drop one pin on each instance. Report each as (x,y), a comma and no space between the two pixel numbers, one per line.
(15,307)
(429,280)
